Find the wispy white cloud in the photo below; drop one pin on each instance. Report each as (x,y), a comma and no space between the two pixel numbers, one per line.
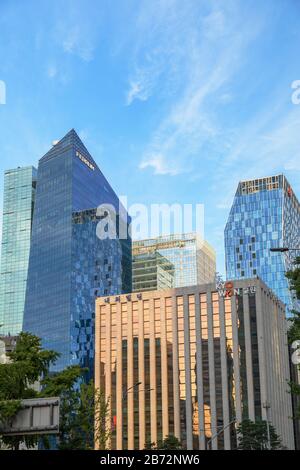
(77,31)
(204,64)
(74,42)
(139,90)
(158,48)
(204,60)
(226,98)
(145,78)
(51,71)
(135,92)
(57,71)
(159,166)
(267,145)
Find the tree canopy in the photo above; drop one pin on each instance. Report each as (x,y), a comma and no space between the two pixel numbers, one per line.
(294,332)
(170,442)
(29,365)
(254,436)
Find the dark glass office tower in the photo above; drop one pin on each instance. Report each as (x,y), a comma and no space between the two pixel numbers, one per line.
(69,265)
(265,214)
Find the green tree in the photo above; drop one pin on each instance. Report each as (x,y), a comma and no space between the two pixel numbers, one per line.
(29,361)
(83,410)
(102,434)
(294,329)
(170,442)
(63,385)
(79,402)
(294,277)
(254,436)
(294,280)
(150,445)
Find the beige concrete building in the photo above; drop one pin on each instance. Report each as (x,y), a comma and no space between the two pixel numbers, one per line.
(192,361)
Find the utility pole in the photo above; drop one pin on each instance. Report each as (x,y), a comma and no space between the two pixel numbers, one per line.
(267,406)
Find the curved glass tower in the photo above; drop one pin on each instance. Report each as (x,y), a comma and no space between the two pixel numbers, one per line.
(69,265)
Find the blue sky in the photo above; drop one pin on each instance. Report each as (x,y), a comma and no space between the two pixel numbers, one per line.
(176,100)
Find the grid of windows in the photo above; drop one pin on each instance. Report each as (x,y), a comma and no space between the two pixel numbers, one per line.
(185,257)
(151,272)
(69,265)
(192,364)
(265,214)
(96,271)
(218,367)
(18,204)
(205,365)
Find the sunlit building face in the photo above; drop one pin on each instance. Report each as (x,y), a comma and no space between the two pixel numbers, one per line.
(192,362)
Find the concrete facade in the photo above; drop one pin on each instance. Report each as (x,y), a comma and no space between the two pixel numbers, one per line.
(193,362)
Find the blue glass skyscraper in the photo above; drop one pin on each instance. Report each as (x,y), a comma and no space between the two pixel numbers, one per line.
(69,265)
(18,205)
(265,214)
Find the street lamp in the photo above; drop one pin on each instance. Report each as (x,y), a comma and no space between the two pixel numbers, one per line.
(279,250)
(143,390)
(125,392)
(209,442)
(283,249)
